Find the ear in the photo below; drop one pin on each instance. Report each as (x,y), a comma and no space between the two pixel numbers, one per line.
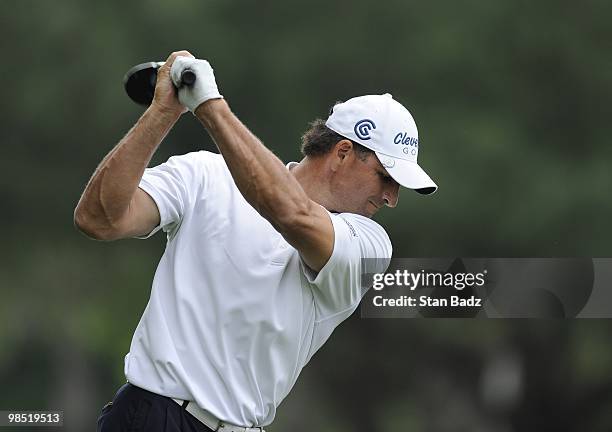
(340,153)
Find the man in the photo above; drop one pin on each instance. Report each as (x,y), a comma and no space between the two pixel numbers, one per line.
(263,260)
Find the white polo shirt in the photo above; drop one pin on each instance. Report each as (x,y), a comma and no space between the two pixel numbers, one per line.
(234,314)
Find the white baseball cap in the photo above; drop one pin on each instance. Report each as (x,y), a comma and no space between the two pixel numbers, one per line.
(383,125)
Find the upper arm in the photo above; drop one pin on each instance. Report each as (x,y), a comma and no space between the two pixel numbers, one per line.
(167,192)
(360,246)
(312,234)
(142,216)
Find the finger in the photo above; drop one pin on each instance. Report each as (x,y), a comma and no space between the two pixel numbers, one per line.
(179,65)
(176,54)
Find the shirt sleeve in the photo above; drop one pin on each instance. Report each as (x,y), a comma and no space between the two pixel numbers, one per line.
(173,186)
(360,245)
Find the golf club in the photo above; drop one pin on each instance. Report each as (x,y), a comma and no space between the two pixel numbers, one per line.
(139,82)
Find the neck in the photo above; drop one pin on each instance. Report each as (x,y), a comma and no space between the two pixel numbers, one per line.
(313,177)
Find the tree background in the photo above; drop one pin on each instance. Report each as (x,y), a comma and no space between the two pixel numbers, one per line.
(512,99)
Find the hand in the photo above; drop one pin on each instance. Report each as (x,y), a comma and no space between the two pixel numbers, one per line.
(204,88)
(166,98)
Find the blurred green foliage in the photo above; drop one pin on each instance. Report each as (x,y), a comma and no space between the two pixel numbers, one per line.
(512,99)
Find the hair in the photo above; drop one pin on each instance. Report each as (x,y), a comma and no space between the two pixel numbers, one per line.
(319,140)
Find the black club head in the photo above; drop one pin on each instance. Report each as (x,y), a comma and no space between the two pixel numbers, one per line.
(139,82)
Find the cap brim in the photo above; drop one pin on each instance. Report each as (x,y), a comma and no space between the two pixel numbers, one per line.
(408,174)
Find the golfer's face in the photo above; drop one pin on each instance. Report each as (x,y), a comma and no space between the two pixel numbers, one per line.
(369,187)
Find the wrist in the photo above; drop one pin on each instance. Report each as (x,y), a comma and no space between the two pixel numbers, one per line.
(207,111)
(164,114)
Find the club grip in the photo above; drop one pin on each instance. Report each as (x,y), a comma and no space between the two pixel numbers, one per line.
(188,77)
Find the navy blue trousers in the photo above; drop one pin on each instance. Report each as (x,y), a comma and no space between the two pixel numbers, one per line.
(137,410)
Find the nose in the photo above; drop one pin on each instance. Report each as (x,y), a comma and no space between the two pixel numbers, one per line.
(391,195)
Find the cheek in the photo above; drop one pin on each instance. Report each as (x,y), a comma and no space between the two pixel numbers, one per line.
(357,186)
(375,187)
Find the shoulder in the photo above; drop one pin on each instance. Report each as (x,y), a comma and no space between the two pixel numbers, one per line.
(201,157)
(362,225)
(372,238)
(193,161)
(211,161)
(198,167)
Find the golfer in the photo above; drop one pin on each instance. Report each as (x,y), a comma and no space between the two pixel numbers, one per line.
(263,260)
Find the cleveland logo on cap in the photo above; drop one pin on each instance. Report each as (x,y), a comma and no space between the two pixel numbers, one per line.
(405,139)
(363,127)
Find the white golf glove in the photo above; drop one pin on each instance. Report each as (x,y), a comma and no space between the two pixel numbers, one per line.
(204,88)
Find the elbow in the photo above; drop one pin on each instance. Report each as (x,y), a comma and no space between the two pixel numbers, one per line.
(88,225)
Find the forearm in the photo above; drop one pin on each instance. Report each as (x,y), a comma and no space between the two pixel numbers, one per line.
(108,194)
(260,176)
